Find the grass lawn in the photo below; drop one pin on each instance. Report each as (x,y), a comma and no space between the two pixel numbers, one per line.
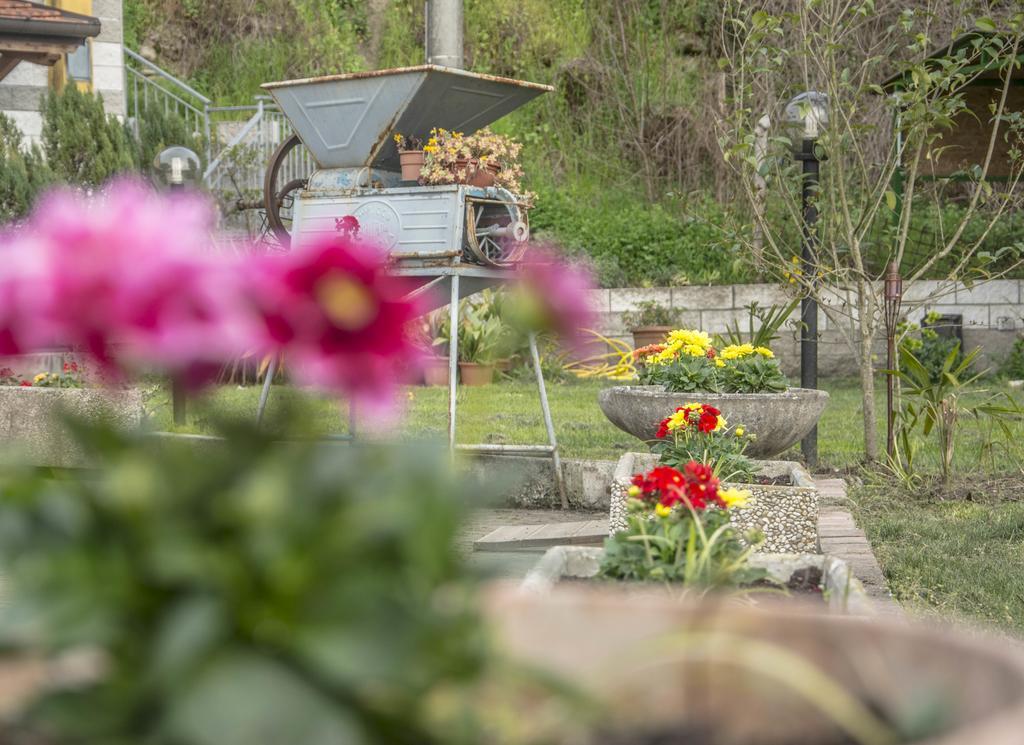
(956,550)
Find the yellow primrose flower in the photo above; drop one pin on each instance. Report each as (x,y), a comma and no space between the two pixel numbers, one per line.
(693,350)
(737,351)
(734,497)
(740,431)
(39,377)
(677,421)
(764,352)
(721,423)
(634,491)
(662,511)
(690,336)
(719,362)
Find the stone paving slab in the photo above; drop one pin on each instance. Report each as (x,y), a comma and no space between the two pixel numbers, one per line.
(511,537)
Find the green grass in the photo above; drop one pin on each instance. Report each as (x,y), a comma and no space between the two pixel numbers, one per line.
(509,413)
(949,551)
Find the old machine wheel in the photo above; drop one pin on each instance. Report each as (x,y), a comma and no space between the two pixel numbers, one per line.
(278,198)
(496,230)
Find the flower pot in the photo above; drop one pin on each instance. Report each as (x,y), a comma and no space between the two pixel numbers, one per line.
(780,420)
(657,666)
(412,162)
(471,173)
(475,373)
(435,371)
(35,430)
(644,335)
(503,365)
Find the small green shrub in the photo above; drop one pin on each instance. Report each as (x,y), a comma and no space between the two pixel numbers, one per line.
(158,129)
(651,313)
(1013,366)
(84,146)
(23,172)
(928,347)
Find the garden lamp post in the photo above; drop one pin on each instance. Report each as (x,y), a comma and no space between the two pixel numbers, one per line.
(177,166)
(893,298)
(807,113)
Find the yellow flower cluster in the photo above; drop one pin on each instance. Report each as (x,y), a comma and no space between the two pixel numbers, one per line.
(683,341)
(734,498)
(739,351)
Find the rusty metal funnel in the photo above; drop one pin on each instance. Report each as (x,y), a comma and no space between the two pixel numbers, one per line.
(348,121)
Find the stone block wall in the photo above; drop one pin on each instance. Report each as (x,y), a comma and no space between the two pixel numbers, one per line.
(993,316)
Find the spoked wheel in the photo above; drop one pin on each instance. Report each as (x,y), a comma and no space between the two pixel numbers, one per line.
(496,230)
(279,198)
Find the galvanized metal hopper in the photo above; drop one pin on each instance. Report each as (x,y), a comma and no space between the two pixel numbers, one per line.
(348,121)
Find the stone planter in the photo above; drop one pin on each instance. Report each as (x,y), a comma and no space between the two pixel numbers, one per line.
(33,432)
(842,592)
(780,420)
(787,514)
(658,665)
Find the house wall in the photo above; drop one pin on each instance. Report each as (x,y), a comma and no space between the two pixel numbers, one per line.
(22,90)
(993,316)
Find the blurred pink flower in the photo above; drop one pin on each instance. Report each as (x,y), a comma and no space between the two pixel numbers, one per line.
(338,317)
(555,295)
(129,277)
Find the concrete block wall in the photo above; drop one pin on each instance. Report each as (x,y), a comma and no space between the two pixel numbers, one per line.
(993,315)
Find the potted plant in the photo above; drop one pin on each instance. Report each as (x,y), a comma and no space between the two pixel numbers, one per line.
(743,381)
(436,329)
(650,322)
(410,156)
(481,159)
(480,337)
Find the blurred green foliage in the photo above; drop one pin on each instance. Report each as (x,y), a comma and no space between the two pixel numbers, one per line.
(244,591)
(23,172)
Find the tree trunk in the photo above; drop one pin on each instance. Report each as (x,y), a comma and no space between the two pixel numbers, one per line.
(867,371)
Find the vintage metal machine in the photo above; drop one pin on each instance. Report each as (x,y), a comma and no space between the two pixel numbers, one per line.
(451,240)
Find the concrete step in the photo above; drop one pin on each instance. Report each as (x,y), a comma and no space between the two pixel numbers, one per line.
(532,537)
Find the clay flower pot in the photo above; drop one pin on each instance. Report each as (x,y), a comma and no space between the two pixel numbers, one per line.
(471,173)
(475,373)
(412,162)
(435,371)
(644,335)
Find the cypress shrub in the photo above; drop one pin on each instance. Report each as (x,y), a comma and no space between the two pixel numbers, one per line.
(23,172)
(84,146)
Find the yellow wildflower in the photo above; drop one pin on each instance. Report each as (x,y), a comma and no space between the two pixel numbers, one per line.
(721,423)
(740,431)
(694,350)
(634,491)
(719,362)
(764,352)
(677,421)
(734,497)
(40,377)
(662,511)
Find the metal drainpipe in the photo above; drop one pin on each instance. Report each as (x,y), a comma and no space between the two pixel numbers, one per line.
(444,33)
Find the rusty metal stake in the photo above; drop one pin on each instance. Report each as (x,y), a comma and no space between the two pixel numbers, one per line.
(556,461)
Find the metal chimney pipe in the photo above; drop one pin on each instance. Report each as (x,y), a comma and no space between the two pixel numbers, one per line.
(444,33)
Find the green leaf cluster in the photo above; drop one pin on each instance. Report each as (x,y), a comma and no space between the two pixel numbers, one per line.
(23,172)
(250,590)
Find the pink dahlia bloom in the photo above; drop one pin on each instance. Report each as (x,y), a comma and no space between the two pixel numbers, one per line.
(338,318)
(555,295)
(129,277)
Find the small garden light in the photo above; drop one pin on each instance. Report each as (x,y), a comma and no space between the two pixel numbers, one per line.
(177,166)
(893,299)
(807,115)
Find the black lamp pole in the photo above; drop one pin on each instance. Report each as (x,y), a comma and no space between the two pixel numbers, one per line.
(809,305)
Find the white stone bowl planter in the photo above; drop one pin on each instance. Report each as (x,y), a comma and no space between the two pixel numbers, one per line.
(787,514)
(842,592)
(32,430)
(780,420)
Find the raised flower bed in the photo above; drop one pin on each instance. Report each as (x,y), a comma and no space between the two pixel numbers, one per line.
(841,592)
(743,381)
(785,513)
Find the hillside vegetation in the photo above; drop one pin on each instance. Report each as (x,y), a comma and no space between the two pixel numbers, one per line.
(621,163)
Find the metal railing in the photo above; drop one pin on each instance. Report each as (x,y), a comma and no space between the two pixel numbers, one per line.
(256,130)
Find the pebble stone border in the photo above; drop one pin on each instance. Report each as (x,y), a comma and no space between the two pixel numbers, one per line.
(786,514)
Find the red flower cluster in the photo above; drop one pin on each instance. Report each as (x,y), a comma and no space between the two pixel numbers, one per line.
(648,351)
(696,485)
(705,417)
(6,372)
(70,367)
